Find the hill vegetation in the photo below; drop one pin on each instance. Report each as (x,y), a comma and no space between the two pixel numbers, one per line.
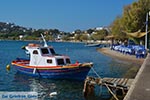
(10,31)
(14,32)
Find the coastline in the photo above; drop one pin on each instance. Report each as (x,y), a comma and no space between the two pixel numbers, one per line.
(120,56)
(130,59)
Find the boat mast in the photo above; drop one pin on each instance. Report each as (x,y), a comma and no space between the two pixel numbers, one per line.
(45,43)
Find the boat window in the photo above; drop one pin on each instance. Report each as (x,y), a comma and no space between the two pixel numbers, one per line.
(49,61)
(60,61)
(35,52)
(68,61)
(44,51)
(52,51)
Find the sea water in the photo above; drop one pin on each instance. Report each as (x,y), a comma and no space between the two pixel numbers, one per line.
(12,81)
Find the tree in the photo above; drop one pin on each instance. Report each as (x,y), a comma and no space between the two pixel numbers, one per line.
(66,37)
(134,15)
(77,37)
(132,20)
(89,31)
(100,35)
(84,37)
(118,29)
(78,31)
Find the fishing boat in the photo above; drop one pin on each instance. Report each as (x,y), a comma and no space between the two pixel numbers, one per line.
(92,44)
(44,62)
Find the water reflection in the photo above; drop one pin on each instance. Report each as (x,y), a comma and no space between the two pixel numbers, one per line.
(66,89)
(37,87)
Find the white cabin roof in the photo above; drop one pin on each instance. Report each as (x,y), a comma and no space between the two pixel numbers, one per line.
(45,56)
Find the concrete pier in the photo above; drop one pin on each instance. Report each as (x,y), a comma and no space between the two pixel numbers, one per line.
(140,88)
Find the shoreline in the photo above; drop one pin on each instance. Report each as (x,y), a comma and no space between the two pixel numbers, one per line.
(130,59)
(119,56)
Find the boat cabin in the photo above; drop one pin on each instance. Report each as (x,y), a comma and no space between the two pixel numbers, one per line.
(45,56)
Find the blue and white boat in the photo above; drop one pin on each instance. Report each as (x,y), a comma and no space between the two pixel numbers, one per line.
(44,62)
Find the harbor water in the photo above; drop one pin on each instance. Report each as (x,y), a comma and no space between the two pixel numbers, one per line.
(66,89)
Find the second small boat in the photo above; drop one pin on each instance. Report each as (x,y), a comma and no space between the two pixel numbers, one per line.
(92,45)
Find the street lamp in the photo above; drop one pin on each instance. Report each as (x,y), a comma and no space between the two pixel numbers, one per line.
(146,29)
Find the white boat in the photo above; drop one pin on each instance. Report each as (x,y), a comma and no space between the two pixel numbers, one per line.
(92,44)
(46,63)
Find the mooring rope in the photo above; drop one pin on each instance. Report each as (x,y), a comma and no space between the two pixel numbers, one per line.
(111,91)
(106,85)
(96,73)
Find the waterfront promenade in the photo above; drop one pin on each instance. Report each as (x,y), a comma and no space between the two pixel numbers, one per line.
(140,88)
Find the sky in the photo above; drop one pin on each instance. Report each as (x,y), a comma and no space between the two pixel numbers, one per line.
(65,15)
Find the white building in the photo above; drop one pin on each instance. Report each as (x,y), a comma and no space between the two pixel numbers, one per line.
(99,28)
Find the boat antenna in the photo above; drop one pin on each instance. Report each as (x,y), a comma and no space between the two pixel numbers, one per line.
(45,43)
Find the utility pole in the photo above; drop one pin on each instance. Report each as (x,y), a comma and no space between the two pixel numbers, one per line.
(146,30)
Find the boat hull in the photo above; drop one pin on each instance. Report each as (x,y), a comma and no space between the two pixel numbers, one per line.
(92,45)
(73,73)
